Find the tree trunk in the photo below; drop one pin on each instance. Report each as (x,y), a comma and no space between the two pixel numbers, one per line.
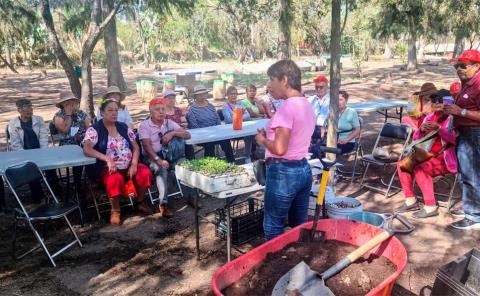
(114,69)
(58,49)
(459,45)
(421,47)
(138,24)
(412,49)
(335,80)
(284,24)
(8,54)
(387,52)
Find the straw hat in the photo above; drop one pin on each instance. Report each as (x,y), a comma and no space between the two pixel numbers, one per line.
(427,89)
(199,89)
(114,90)
(65,96)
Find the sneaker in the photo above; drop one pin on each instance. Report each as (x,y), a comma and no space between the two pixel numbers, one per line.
(115,218)
(465,224)
(165,212)
(145,208)
(423,214)
(404,208)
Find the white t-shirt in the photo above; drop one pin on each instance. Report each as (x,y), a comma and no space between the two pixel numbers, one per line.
(123,116)
(268,99)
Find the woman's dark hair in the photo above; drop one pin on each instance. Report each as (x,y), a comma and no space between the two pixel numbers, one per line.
(105,102)
(344,94)
(289,69)
(252,87)
(230,89)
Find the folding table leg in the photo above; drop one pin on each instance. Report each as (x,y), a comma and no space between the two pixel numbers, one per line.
(197,227)
(229,234)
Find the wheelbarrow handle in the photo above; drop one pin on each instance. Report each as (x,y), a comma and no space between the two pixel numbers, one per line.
(333,150)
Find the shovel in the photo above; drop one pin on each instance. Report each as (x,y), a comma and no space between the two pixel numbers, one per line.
(313,234)
(301,280)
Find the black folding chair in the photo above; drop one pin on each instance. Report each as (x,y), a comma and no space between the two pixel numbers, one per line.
(357,152)
(18,175)
(396,132)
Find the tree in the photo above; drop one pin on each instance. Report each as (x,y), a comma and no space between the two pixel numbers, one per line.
(335,78)
(284,27)
(114,69)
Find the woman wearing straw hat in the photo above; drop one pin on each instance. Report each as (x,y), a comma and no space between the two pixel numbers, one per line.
(204,114)
(113,92)
(419,105)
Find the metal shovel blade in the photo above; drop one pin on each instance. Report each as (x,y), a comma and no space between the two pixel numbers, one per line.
(301,281)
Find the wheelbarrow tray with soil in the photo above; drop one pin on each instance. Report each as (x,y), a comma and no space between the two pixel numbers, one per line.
(350,232)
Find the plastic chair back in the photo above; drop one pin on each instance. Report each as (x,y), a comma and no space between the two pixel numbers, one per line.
(22,174)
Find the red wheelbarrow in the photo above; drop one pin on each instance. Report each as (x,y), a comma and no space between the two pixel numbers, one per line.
(351,232)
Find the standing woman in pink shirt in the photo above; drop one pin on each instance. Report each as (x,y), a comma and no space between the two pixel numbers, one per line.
(286,139)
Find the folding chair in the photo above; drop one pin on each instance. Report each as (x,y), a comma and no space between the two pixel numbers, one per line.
(7,136)
(451,184)
(399,132)
(357,152)
(22,174)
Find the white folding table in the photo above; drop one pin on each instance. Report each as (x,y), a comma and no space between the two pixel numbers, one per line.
(381,106)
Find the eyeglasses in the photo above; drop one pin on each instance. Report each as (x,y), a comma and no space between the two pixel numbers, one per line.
(320,86)
(462,66)
(436,99)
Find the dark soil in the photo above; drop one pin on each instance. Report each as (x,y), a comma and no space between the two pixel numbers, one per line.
(357,279)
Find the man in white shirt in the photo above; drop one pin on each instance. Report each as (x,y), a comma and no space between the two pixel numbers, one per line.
(320,103)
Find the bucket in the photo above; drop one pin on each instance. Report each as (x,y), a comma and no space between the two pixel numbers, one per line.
(350,232)
(229,78)
(147,89)
(329,195)
(169,84)
(338,208)
(368,217)
(219,89)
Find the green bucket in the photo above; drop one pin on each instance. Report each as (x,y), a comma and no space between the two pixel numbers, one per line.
(229,77)
(146,89)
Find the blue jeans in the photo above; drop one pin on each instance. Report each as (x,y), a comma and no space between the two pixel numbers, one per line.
(468,154)
(287,191)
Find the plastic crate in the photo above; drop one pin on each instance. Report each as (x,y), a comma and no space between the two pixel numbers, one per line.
(460,277)
(246,221)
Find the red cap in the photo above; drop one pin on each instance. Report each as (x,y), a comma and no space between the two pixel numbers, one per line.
(455,88)
(158,101)
(320,78)
(468,56)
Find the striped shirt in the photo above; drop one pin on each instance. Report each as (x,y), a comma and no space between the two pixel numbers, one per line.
(198,117)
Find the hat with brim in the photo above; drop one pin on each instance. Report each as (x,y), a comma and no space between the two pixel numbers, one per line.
(65,96)
(199,89)
(468,56)
(114,90)
(168,92)
(427,89)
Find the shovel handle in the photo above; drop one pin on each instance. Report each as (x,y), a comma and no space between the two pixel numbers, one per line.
(353,256)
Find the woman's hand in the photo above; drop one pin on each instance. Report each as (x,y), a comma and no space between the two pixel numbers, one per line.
(429,126)
(132,170)
(342,141)
(112,167)
(167,138)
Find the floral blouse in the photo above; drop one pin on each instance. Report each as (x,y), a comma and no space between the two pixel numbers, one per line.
(78,126)
(117,147)
(176,116)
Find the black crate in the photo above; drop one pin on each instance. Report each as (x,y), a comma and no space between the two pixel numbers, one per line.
(460,277)
(246,221)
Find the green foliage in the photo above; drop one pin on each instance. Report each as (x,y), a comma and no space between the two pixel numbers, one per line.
(400,49)
(211,166)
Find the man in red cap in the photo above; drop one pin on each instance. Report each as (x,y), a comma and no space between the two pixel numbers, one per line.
(155,133)
(320,103)
(466,112)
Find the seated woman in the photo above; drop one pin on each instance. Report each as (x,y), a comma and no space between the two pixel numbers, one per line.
(203,114)
(174,113)
(227,111)
(71,124)
(113,144)
(348,124)
(250,103)
(419,105)
(113,92)
(444,163)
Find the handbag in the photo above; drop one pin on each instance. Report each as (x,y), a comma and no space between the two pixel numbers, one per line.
(260,171)
(174,150)
(419,151)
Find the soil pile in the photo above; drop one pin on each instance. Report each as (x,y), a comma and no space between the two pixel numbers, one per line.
(357,279)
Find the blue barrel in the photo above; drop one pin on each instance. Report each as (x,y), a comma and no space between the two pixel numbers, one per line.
(368,217)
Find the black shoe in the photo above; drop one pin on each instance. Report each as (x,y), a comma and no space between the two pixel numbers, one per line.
(466,224)
(423,214)
(404,208)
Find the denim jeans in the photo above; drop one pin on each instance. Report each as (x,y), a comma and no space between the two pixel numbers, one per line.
(287,191)
(468,154)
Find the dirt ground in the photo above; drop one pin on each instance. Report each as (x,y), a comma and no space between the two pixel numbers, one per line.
(153,256)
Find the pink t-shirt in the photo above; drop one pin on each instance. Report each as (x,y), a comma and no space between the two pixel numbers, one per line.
(297,115)
(149,130)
